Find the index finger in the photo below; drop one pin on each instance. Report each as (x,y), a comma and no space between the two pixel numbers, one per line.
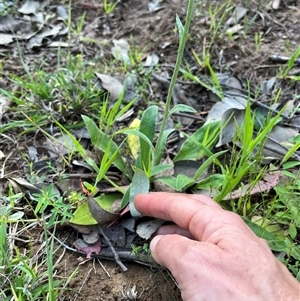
(199,214)
(176,207)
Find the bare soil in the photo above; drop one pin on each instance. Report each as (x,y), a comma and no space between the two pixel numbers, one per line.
(156,32)
(94,283)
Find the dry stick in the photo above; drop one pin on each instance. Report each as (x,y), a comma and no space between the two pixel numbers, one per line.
(282,59)
(116,255)
(294,72)
(276,151)
(186,115)
(60,258)
(83,283)
(11,239)
(258,103)
(126,255)
(104,269)
(106,256)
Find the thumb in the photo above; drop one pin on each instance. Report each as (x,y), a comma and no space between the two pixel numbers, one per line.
(154,248)
(171,251)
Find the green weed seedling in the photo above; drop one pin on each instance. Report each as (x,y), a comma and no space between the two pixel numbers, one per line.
(283,73)
(110,114)
(79,25)
(105,144)
(249,141)
(258,38)
(211,84)
(295,145)
(216,23)
(143,252)
(50,199)
(109,7)
(283,211)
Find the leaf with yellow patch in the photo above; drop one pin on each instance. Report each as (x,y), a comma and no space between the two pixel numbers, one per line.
(133,140)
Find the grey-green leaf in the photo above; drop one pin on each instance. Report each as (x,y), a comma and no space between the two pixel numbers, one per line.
(140,184)
(179,26)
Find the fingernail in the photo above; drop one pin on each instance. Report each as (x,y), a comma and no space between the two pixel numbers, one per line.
(153,242)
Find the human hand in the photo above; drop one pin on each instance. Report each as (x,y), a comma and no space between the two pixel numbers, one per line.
(212,253)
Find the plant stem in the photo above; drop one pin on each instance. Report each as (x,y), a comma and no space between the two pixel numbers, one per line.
(182,42)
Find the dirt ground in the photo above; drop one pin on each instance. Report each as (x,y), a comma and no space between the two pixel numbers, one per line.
(94,282)
(156,32)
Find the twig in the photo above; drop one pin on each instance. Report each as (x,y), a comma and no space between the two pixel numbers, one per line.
(186,115)
(258,103)
(60,258)
(102,266)
(282,59)
(116,255)
(107,254)
(84,281)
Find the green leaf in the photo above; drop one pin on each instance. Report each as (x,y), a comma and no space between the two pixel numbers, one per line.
(275,243)
(293,231)
(106,162)
(159,168)
(93,164)
(106,200)
(194,143)
(125,199)
(103,141)
(206,164)
(111,115)
(181,108)
(180,27)
(82,216)
(142,136)
(213,181)
(209,86)
(147,127)
(169,180)
(290,164)
(16,216)
(140,184)
(183,181)
(162,145)
(148,122)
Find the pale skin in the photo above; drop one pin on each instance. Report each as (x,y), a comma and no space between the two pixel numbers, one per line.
(212,253)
